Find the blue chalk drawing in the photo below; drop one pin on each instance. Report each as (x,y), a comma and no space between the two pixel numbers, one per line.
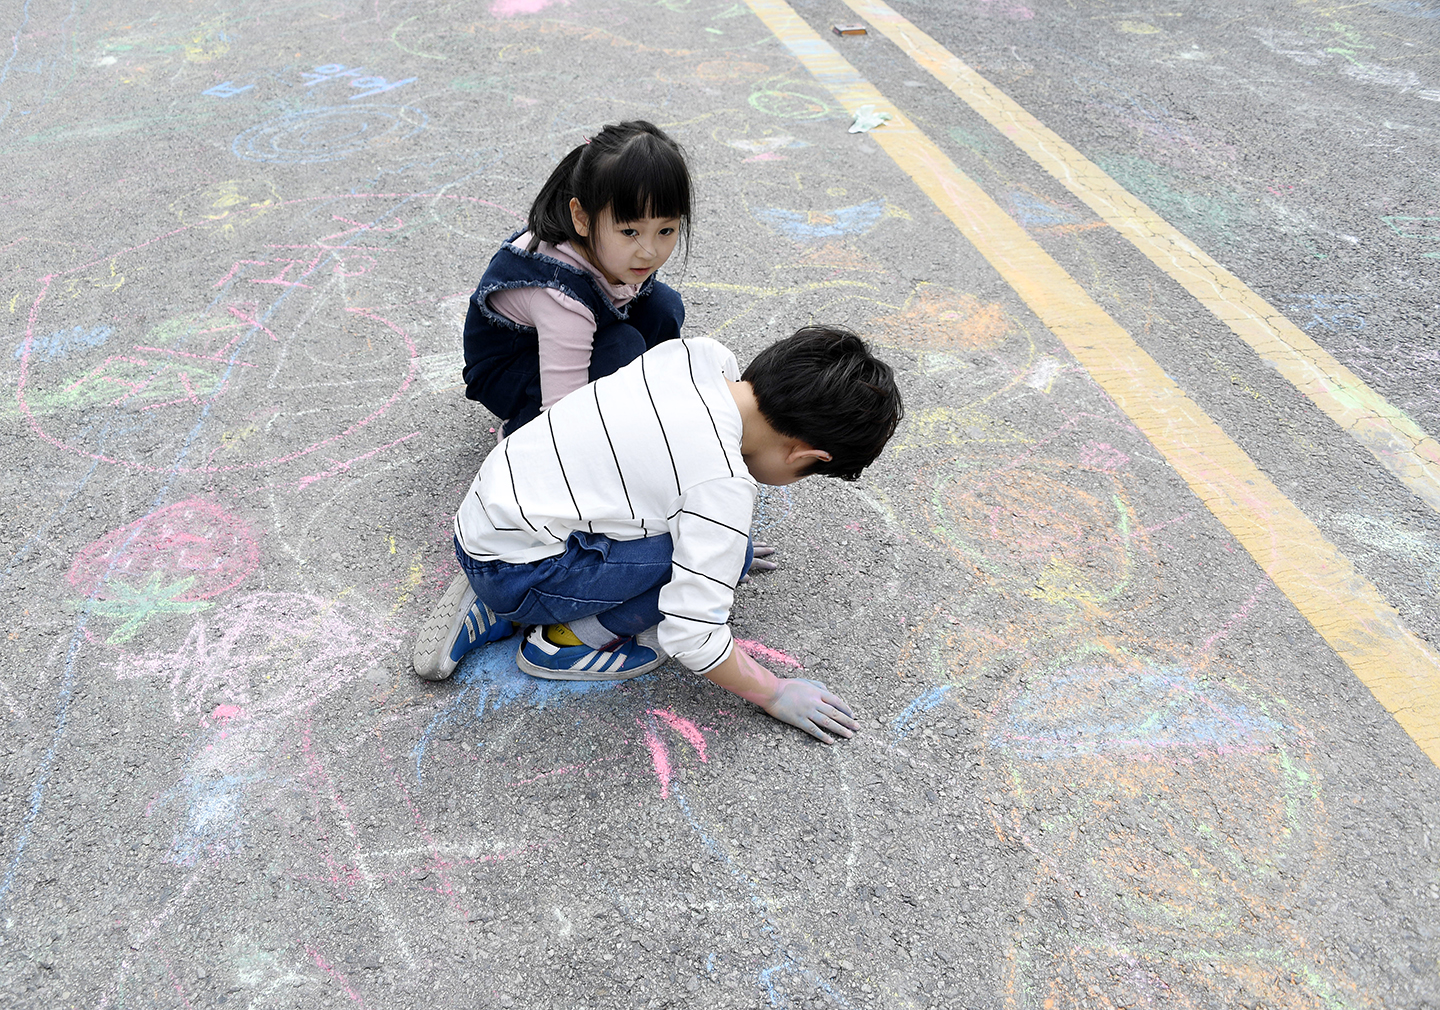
(772,507)
(1033,212)
(489,681)
(928,700)
(1408,8)
(227,89)
(807,226)
(1332,312)
(1089,711)
(768,926)
(62,342)
(312,136)
(212,827)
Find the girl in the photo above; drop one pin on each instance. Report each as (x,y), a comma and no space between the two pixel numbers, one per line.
(574,296)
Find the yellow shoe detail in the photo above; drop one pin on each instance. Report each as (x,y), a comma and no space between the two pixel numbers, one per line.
(560,634)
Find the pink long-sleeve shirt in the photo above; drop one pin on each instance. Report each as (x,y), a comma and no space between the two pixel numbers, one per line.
(566,327)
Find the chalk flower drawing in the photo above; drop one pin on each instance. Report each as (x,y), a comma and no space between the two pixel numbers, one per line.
(170,561)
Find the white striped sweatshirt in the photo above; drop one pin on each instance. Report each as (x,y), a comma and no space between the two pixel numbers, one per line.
(652,449)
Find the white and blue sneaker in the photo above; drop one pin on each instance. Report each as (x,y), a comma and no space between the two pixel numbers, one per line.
(553,652)
(459,623)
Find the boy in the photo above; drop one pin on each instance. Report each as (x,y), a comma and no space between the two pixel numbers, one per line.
(616,523)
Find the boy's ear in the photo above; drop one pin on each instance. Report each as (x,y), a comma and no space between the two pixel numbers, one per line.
(579,218)
(807,455)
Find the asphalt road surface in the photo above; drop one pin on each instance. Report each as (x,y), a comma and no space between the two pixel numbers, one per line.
(1139,611)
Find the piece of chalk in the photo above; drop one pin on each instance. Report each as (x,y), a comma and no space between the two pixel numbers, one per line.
(850,30)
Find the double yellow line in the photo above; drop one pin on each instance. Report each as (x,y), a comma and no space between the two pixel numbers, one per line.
(1344,607)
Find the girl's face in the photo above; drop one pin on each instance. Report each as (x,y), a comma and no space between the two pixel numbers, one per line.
(626,251)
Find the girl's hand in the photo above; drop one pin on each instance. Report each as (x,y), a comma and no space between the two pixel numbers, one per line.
(758,562)
(810,705)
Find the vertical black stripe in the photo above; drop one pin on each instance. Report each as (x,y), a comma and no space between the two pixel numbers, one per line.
(595,391)
(561,463)
(646,378)
(701,397)
(513,492)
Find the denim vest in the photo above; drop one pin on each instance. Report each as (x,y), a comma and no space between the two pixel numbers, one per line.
(502,357)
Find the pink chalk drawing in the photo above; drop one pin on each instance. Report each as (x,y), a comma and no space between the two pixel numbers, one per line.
(762,651)
(343,982)
(1102,456)
(510,8)
(270,656)
(170,561)
(685,728)
(224,713)
(660,753)
(660,757)
(171,380)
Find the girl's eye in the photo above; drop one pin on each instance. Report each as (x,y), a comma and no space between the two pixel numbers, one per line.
(629,232)
(667,231)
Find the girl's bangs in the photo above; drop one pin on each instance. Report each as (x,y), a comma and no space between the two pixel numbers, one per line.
(647,180)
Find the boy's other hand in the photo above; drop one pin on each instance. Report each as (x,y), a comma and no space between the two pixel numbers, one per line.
(813,707)
(759,562)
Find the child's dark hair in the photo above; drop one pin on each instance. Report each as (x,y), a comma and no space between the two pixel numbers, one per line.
(823,386)
(632,168)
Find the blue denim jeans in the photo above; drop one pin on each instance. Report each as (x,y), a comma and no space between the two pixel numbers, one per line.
(653,319)
(617,582)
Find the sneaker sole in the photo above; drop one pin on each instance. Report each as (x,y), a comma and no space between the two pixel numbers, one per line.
(546,673)
(431,656)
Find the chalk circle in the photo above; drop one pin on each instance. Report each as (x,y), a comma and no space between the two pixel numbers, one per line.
(255,380)
(193,541)
(1172,784)
(311,136)
(1056,532)
(785,104)
(1174,791)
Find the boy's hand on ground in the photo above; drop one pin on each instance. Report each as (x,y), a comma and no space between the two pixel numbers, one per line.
(758,563)
(811,706)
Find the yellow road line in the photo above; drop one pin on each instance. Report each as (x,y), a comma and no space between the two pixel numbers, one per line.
(1343,606)
(1397,442)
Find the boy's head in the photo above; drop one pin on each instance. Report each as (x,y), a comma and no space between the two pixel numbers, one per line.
(824,387)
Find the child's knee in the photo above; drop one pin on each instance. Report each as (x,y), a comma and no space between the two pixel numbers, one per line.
(615,347)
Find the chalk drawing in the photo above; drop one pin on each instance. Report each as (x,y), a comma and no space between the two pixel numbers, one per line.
(813,225)
(489,681)
(773,506)
(1044,216)
(1049,531)
(227,89)
(1102,456)
(940,318)
(315,136)
(193,366)
(171,561)
(62,342)
(781,98)
(442,371)
(777,657)
(1326,311)
(660,752)
(271,655)
(514,8)
(1423,229)
(227,205)
(1191,203)
(369,85)
(1168,753)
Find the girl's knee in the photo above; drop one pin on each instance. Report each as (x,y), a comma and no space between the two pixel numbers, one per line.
(615,347)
